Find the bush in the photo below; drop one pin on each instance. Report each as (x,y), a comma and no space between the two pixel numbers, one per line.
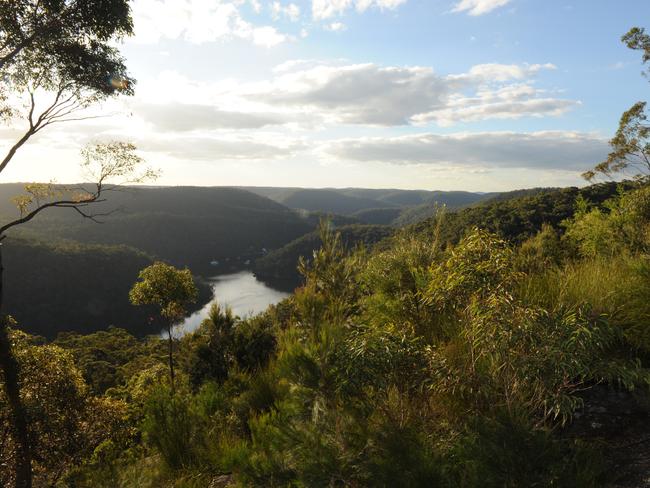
(623,225)
(172,428)
(507,452)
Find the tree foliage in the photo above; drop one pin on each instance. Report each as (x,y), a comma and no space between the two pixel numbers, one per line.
(630,145)
(66,423)
(418,363)
(168,288)
(630,153)
(69,37)
(637,39)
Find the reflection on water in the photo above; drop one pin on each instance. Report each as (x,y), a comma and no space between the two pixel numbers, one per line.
(242,292)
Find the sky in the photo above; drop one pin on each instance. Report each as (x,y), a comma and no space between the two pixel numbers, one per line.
(477,95)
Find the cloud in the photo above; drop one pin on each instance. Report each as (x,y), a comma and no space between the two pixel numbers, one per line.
(181,117)
(325,9)
(360,94)
(389,96)
(509,102)
(198,22)
(479,7)
(495,72)
(267,36)
(290,11)
(215,149)
(336,27)
(570,151)
(256,6)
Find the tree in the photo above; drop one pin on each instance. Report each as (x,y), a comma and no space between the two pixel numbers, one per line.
(637,39)
(72,34)
(170,290)
(66,422)
(109,166)
(59,48)
(631,145)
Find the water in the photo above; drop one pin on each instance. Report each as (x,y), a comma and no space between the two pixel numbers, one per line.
(242,292)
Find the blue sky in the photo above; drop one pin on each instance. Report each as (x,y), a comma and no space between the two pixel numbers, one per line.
(477,95)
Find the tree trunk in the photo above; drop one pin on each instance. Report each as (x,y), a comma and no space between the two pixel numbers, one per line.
(171,357)
(23,466)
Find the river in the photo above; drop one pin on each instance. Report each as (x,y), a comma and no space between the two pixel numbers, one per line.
(244,293)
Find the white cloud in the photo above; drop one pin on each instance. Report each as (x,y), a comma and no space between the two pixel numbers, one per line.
(508,102)
(479,7)
(359,94)
(336,27)
(569,151)
(198,21)
(307,92)
(376,95)
(181,117)
(214,149)
(325,9)
(267,36)
(291,11)
(495,72)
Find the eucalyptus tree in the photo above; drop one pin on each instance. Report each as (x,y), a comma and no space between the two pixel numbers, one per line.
(170,290)
(630,146)
(57,57)
(637,39)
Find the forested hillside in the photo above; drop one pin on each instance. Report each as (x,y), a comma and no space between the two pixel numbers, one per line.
(519,215)
(468,360)
(514,216)
(188,226)
(67,286)
(281,265)
(98,274)
(66,273)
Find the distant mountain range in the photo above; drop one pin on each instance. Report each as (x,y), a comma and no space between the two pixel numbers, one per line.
(371,206)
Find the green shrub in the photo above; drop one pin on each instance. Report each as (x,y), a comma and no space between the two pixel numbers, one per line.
(172,428)
(507,452)
(395,281)
(253,344)
(623,225)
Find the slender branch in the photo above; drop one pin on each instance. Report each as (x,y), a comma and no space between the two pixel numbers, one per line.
(93,217)
(32,107)
(9,156)
(58,111)
(75,119)
(59,203)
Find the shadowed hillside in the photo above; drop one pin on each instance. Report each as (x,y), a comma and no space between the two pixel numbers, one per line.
(49,288)
(188,226)
(281,265)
